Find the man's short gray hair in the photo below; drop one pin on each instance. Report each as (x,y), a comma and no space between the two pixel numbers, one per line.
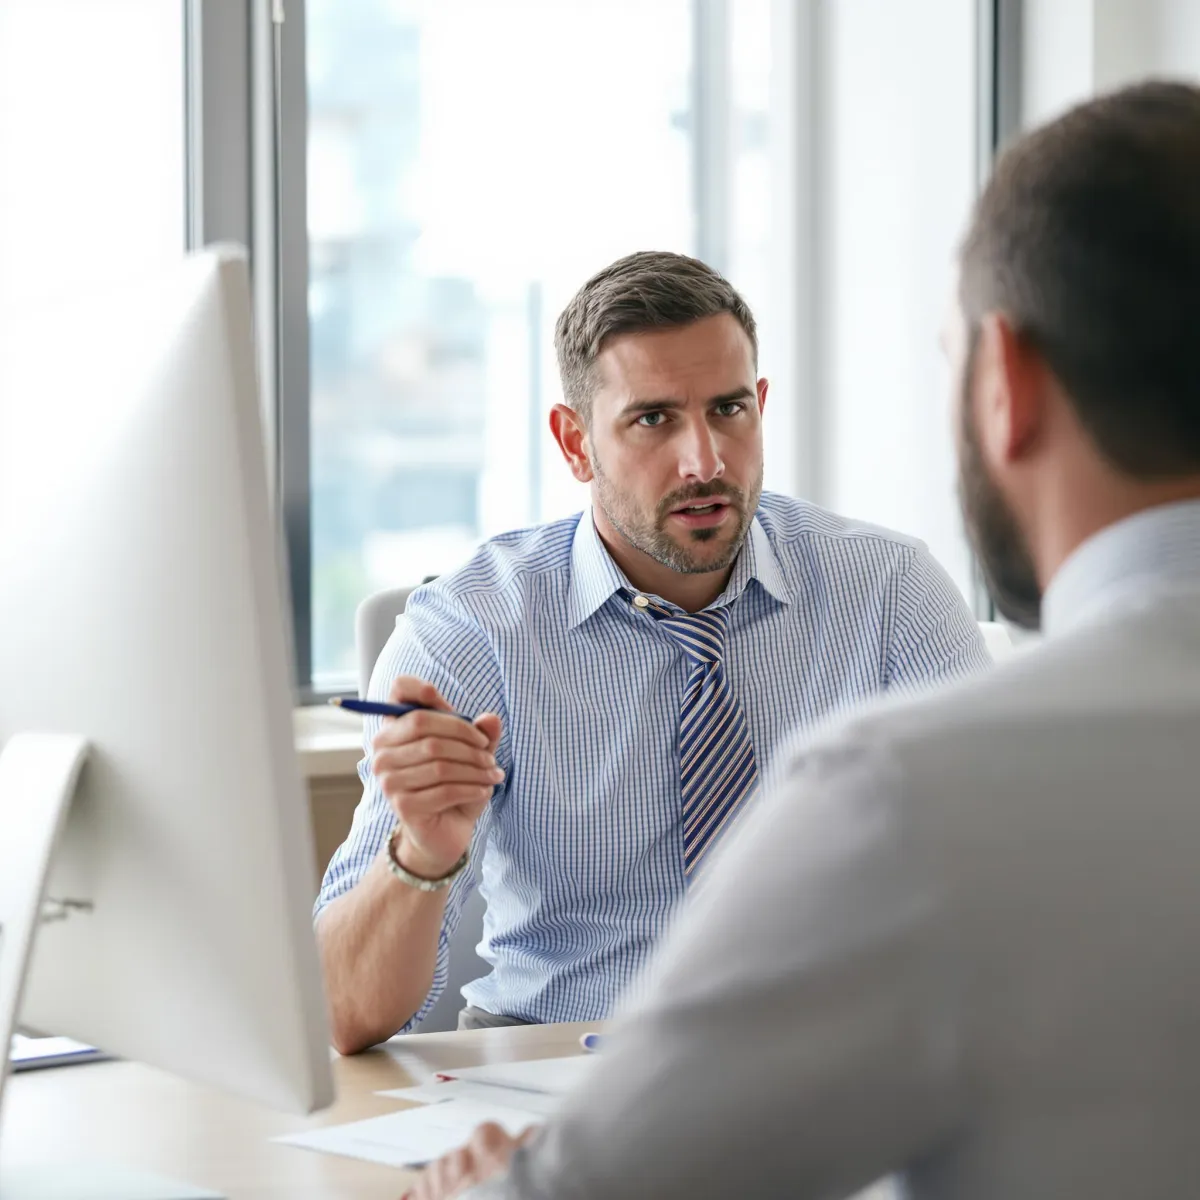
(652,289)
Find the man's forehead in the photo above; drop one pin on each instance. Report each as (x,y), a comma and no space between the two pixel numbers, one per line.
(713,345)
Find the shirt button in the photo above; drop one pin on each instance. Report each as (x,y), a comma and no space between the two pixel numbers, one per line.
(641,602)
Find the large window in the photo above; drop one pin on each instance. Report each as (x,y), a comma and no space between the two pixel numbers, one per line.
(470,164)
(424,183)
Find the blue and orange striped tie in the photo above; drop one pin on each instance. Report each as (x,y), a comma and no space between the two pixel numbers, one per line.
(717,771)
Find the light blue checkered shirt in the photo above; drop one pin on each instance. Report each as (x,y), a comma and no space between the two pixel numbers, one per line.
(579,854)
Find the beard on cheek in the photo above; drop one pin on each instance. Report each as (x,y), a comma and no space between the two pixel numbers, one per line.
(705,550)
(1001,547)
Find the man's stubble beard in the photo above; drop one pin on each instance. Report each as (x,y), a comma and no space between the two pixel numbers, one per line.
(652,538)
(999,544)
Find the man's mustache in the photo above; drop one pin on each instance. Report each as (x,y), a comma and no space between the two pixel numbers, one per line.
(700,491)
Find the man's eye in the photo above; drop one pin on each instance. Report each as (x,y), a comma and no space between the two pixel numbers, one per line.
(650,420)
(730,408)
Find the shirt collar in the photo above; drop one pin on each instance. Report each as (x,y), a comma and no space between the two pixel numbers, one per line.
(595,577)
(756,561)
(1158,546)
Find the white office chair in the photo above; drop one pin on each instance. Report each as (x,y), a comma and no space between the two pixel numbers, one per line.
(998,639)
(374,621)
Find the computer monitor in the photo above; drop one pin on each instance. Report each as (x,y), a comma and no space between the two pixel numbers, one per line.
(144,632)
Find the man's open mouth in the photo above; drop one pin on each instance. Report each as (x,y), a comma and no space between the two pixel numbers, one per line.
(709,512)
(702,508)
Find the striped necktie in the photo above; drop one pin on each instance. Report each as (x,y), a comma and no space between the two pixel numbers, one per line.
(717,771)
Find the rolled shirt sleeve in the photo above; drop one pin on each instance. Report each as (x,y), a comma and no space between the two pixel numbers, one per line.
(435,640)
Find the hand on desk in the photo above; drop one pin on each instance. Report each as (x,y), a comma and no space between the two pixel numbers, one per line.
(438,772)
(484,1157)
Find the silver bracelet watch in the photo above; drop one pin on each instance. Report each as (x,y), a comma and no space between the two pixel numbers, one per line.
(417,881)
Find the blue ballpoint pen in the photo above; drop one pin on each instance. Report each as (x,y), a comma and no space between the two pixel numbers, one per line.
(376,708)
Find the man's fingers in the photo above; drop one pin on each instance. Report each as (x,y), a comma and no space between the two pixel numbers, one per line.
(424,750)
(483,1157)
(412,807)
(489,1137)
(492,1148)
(490,726)
(441,1179)
(408,689)
(438,772)
(415,726)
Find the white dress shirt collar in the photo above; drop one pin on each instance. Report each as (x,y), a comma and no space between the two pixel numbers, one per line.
(1157,548)
(595,576)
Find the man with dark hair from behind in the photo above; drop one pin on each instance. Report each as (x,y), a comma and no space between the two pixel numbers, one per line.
(980,962)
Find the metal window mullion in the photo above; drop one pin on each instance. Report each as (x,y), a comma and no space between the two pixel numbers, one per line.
(246,116)
(998,117)
(264,111)
(799,87)
(986,47)
(217,114)
(712,111)
(285,209)
(1009,27)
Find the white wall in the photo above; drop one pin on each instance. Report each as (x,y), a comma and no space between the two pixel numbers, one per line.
(1072,49)
(1057,60)
(91,143)
(895,173)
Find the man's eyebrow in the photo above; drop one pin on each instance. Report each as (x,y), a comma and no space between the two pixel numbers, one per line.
(667,403)
(645,406)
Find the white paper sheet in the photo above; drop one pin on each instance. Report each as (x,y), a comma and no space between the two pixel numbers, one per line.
(425,1093)
(29,1052)
(553,1076)
(483,1093)
(414,1136)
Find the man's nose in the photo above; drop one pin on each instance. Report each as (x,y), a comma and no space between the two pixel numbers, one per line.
(699,454)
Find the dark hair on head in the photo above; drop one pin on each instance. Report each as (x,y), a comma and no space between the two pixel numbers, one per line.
(649,290)
(1087,239)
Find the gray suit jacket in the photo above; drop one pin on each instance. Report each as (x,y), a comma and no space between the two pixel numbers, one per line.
(961,942)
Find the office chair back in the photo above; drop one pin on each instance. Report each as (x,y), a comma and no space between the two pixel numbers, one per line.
(998,640)
(374,620)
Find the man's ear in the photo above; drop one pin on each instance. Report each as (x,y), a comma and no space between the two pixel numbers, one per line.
(1009,390)
(570,433)
(761,388)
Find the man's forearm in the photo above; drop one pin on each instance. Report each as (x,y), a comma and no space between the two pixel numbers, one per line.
(378,947)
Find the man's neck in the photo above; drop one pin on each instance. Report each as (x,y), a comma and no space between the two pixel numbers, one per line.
(1078,520)
(689,592)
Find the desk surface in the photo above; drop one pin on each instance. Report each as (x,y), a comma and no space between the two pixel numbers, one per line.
(131,1115)
(328,741)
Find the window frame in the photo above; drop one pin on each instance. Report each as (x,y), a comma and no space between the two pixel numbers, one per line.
(247,116)
(998,118)
(711,191)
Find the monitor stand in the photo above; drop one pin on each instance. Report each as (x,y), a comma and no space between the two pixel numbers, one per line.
(38,774)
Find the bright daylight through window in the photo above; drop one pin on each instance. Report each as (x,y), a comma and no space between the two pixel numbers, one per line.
(91,143)
(459,190)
